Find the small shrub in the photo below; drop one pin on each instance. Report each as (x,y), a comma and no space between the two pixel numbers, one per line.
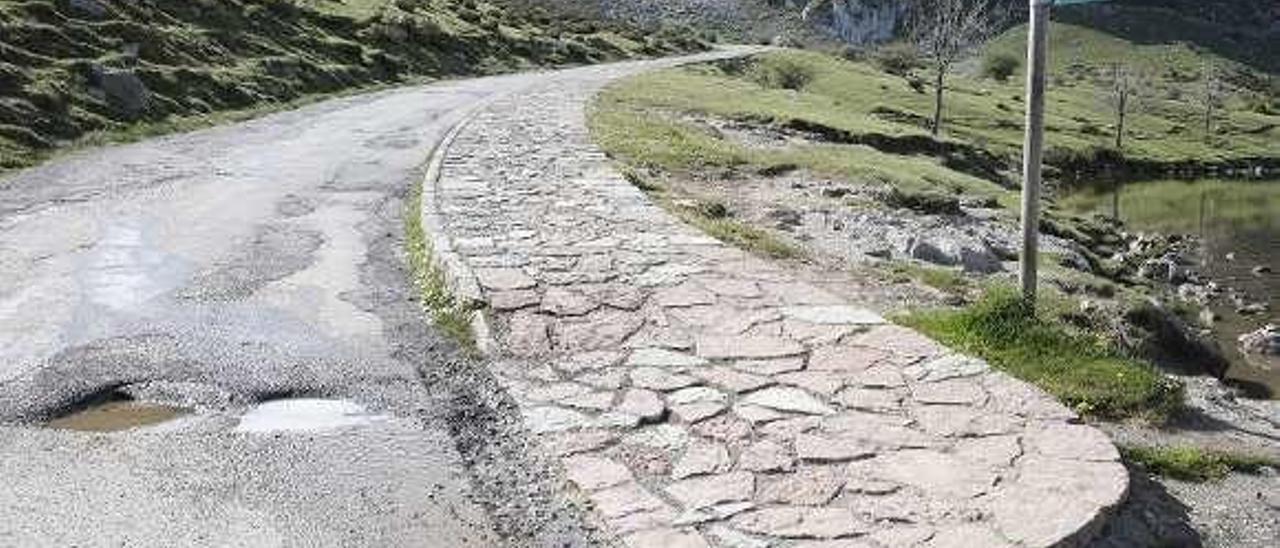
(1077,368)
(1194,464)
(1000,67)
(929,203)
(899,59)
(782,73)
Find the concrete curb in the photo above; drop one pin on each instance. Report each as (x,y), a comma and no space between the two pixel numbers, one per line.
(460,280)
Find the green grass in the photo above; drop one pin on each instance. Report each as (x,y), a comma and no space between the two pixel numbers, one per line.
(947,280)
(448,314)
(1076,368)
(651,120)
(1195,464)
(747,237)
(639,121)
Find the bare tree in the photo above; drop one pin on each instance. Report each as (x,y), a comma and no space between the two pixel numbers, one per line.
(1125,96)
(945,32)
(1211,96)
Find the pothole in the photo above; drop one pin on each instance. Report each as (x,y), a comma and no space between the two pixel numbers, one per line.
(306,414)
(115,413)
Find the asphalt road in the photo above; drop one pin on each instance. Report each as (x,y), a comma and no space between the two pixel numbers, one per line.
(237,266)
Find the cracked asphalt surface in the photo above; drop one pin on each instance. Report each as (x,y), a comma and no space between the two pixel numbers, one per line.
(233,266)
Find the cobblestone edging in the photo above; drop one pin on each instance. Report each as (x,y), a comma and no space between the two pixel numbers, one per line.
(699,396)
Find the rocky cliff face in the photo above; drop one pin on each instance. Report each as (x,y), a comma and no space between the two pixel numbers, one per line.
(861,21)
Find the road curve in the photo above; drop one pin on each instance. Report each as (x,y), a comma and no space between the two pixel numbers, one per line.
(253,273)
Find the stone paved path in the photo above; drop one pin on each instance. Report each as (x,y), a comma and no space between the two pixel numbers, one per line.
(698,396)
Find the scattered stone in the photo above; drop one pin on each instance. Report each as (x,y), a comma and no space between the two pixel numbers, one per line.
(541,420)
(735,288)
(608,380)
(881,376)
(592,472)
(949,392)
(959,421)
(904,343)
(788,399)
(628,498)
(644,404)
(705,491)
(993,452)
(947,367)
(589,361)
(756,414)
(766,456)
(877,400)
(770,367)
(730,538)
(555,392)
(746,347)
(572,443)
(1071,441)
(702,458)
(506,301)
(966,536)
(659,357)
(660,436)
(813,448)
(714,513)
(936,473)
(696,394)
(564,302)
(504,279)
(844,359)
(666,538)
(818,382)
(805,487)
(833,315)
(528,335)
(684,295)
(731,380)
(648,520)
(800,523)
(691,413)
(660,379)
(726,427)
(594,401)
(603,330)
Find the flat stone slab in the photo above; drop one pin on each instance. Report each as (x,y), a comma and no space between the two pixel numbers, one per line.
(697,396)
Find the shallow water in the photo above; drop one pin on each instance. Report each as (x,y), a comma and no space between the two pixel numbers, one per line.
(114,416)
(1236,218)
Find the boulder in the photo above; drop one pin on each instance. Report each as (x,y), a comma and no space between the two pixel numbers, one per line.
(977,258)
(1153,332)
(91,8)
(1262,347)
(123,89)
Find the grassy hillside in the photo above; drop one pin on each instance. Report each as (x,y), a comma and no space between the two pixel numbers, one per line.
(857,103)
(69,68)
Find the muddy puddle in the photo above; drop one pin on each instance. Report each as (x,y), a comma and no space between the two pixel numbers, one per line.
(117,415)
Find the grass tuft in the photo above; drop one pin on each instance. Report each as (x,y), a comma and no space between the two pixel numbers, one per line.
(448,314)
(1079,370)
(1195,464)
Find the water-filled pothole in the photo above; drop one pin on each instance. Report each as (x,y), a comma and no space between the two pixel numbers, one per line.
(115,413)
(306,414)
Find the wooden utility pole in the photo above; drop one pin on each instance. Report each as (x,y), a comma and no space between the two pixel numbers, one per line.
(1033,147)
